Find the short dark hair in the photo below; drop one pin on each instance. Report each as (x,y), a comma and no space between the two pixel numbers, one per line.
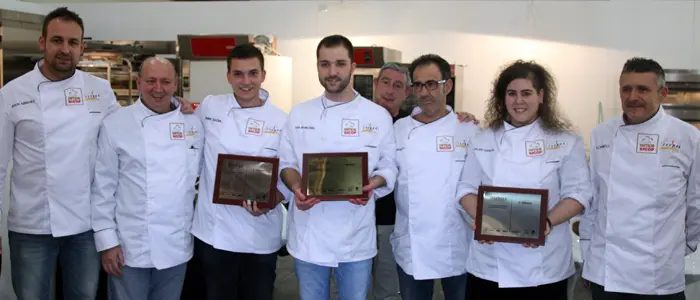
(645,65)
(62,13)
(335,41)
(434,59)
(245,51)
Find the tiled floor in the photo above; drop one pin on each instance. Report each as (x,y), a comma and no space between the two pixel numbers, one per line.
(286,287)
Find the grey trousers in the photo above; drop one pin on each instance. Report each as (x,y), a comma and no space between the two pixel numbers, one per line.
(385,278)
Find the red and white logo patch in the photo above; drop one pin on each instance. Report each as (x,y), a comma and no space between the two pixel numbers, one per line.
(177,131)
(534,148)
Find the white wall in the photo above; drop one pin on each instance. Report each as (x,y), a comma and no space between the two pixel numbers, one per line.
(209,78)
(21,6)
(584,43)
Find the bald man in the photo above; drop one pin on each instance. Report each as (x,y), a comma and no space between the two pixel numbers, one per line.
(148,160)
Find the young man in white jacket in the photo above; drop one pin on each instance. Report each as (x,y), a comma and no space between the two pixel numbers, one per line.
(431,146)
(645,215)
(338,235)
(147,165)
(237,246)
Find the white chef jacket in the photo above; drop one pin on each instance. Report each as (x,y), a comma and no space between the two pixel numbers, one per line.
(230,129)
(527,157)
(338,231)
(648,205)
(428,240)
(143,191)
(49,131)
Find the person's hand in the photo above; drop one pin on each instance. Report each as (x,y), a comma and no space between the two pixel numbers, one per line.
(254,210)
(302,202)
(546,233)
(374,182)
(113,261)
(185,106)
(466,117)
(480,242)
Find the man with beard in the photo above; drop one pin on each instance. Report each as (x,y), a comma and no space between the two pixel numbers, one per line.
(336,235)
(148,160)
(645,214)
(48,129)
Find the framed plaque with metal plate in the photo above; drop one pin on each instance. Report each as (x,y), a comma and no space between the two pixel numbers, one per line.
(247,179)
(335,176)
(511,215)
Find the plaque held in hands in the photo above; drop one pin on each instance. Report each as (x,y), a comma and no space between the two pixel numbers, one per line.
(246,179)
(511,215)
(335,176)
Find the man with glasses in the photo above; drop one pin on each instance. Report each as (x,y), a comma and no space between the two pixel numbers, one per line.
(430,240)
(392,87)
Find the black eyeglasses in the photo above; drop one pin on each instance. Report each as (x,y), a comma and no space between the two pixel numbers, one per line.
(430,85)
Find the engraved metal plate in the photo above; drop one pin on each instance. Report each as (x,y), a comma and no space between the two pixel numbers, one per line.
(335,176)
(511,215)
(246,179)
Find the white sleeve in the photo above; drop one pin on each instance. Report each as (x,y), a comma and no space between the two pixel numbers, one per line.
(281,187)
(111,100)
(470,177)
(386,166)
(574,178)
(102,198)
(7,142)
(587,219)
(288,156)
(692,218)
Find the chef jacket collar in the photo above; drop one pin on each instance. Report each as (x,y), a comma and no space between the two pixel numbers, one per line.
(660,114)
(40,78)
(263,94)
(417,110)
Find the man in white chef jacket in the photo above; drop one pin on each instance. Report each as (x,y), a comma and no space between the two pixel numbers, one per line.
(48,129)
(237,245)
(646,212)
(147,165)
(428,240)
(338,235)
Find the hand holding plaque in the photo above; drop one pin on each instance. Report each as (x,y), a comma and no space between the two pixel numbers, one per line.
(335,176)
(246,179)
(511,215)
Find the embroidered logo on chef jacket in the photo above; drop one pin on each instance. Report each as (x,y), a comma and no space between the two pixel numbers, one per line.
(92,96)
(370,128)
(672,146)
(556,145)
(273,130)
(192,131)
(534,148)
(254,127)
(445,143)
(462,144)
(647,143)
(73,96)
(351,127)
(177,131)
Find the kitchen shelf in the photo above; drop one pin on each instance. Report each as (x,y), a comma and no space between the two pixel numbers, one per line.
(116,70)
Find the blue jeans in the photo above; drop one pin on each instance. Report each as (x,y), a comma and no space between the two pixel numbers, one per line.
(353,280)
(33,258)
(148,283)
(454,288)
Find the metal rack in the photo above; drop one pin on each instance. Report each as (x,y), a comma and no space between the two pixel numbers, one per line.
(115,69)
(683,100)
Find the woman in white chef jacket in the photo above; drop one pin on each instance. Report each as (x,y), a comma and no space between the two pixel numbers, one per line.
(527,145)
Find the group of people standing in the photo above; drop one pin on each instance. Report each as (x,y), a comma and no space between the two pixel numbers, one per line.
(97,186)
